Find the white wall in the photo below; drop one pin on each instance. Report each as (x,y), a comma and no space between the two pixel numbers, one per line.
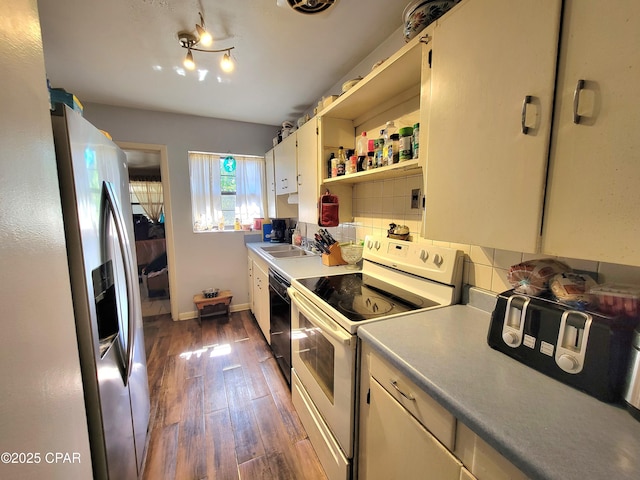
(202,260)
(42,403)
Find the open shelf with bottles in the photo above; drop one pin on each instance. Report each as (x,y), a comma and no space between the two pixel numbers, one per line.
(401,169)
(391,91)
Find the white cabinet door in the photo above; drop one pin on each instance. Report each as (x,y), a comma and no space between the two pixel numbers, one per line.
(396,446)
(261,299)
(593,193)
(277,206)
(485,177)
(308,183)
(285,165)
(270,178)
(250,277)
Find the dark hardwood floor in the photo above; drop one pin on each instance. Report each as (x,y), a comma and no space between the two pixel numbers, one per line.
(220,408)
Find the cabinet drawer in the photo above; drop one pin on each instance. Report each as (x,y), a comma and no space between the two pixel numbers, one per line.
(425,409)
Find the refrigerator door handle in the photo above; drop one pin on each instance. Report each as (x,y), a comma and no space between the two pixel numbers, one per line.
(123,242)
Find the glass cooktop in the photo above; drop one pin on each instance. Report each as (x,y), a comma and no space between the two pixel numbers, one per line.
(361,297)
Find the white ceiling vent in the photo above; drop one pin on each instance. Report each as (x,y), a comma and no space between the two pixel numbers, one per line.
(307,7)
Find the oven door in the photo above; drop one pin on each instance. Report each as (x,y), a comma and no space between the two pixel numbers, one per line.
(323,355)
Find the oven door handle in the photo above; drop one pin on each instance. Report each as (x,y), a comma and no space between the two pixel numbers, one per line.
(314,315)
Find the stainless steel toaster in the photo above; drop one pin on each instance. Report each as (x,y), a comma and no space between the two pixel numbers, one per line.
(586,350)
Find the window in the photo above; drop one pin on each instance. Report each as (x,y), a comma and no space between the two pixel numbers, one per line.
(225,187)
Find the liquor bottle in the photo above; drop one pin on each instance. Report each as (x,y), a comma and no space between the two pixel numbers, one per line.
(342,161)
(332,166)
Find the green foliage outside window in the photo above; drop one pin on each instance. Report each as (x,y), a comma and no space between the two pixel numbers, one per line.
(228,190)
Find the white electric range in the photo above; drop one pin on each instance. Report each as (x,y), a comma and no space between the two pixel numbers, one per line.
(397,278)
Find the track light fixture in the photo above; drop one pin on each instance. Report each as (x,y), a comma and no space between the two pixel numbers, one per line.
(192,41)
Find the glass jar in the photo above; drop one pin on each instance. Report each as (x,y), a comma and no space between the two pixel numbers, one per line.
(406,139)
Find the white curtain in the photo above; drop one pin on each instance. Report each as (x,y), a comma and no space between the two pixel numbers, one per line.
(249,182)
(150,197)
(206,205)
(206,194)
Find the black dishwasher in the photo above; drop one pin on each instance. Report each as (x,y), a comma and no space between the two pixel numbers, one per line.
(280,322)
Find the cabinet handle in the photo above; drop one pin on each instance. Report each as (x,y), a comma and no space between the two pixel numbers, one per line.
(523,121)
(576,101)
(394,384)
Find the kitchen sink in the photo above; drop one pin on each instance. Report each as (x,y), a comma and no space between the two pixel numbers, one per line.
(290,253)
(284,247)
(285,251)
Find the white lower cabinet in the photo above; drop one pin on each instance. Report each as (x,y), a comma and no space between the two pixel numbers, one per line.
(405,434)
(259,285)
(399,447)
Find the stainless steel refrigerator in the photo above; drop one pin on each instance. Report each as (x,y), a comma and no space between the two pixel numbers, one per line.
(94,187)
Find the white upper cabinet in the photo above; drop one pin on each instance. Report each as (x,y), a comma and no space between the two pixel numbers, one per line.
(277,206)
(285,165)
(492,84)
(593,193)
(308,182)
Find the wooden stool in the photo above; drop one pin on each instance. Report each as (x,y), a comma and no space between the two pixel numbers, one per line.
(224,298)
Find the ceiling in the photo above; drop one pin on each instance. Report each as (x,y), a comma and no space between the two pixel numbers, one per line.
(126,53)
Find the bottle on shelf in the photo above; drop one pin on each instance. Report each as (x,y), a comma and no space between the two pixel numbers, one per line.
(342,162)
(416,140)
(352,164)
(380,150)
(236,224)
(389,131)
(362,148)
(371,155)
(392,150)
(332,166)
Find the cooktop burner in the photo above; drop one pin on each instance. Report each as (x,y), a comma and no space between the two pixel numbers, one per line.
(360,297)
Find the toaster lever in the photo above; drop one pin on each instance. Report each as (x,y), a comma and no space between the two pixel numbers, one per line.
(514,315)
(572,341)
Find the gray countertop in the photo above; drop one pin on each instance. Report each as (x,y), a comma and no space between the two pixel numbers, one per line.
(297,267)
(545,428)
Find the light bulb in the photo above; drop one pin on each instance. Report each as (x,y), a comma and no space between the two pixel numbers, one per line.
(226,63)
(188,63)
(205,37)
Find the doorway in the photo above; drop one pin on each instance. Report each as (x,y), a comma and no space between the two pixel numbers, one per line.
(147,165)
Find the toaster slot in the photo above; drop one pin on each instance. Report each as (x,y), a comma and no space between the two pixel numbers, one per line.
(572,341)
(514,316)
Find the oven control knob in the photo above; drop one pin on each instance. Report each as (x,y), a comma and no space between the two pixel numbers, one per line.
(369,244)
(424,255)
(377,245)
(567,362)
(437,259)
(510,338)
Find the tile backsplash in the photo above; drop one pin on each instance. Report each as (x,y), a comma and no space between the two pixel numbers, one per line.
(376,204)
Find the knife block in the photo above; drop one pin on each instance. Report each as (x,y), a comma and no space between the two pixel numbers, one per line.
(334,257)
